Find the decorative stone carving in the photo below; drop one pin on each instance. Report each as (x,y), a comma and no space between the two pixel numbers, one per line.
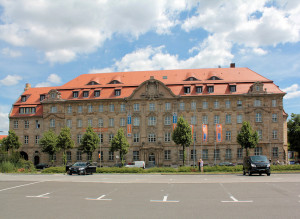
(152,90)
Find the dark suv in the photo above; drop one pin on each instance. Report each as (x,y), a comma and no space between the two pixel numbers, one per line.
(256,164)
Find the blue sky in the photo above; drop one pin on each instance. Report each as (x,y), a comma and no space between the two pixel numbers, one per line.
(49,42)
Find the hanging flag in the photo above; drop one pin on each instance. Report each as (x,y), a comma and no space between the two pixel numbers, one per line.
(204,133)
(218,132)
(192,129)
(174,120)
(129,128)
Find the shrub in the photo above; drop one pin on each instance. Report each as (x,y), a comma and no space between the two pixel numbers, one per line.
(161,170)
(54,170)
(7,167)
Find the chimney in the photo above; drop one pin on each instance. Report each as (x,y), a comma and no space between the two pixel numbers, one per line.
(27,87)
(232,65)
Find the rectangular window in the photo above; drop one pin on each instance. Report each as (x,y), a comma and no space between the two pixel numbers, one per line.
(69,109)
(100,108)
(227,104)
(181,154)
(193,120)
(216,104)
(97,93)
(210,89)
(111,107)
(228,119)
(69,123)
(232,88)
(204,104)
(228,135)
(168,120)
(205,119)
(187,90)
(239,104)
(111,156)
(117,92)
(258,117)
(69,156)
(79,109)
(274,134)
(90,122)
(85,94)
(52,157)
(193,105)
(239,119)
(151,106)
(111,122)
(167,106)
(37,139)
(26,139)
(53,109)
(228,154)
(110,137)
(152,121)
(75,94)
(167,136)
(136,155)
(122,122)
(23,98)
(100,137)
(52,123)
(205,154)
(257,103)
(152,137)
(42,97)
(79,138)
(123,107)
(193,155)
(90,108)
(167,154)
(16,124)
(240,153)
(259,133)
(136,121)
(26,124)
(100,122)
(136,107)
(217,153)
(79,123)
(274,117)
(258,151)
(181,106)
(136,137)
(216,119)
(274,103)
(78,155)
(275,151)
(199,89)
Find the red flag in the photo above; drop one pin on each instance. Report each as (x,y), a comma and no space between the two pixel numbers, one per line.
(204,133)
(218,132)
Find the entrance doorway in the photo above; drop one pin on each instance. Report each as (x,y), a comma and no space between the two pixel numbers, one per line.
(24,155)
(151,160)
(36,160)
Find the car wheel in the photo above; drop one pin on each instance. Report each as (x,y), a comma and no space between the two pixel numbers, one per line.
(268,174)
(244,172)
(260,174)
(70,173)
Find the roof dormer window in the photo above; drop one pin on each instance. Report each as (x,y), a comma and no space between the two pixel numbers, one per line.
(187,89)
(191,79)
(232,88)
(93,83)
(214,78)
(85,94)
(117,92)
(23,98)
(115,82)
(42,97)
(210,89)
(199,89)
(75,94)
(97,93)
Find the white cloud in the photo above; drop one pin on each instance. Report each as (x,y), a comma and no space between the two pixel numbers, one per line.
(52,80)
(10,80)
(11,53)
(4,121)
(259,51)
(62,30)
(103,70)
(292,91)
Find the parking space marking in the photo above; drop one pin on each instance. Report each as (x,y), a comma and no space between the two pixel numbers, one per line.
(20,186)
(231,196)
(101,198)
(165,199)
(39,196)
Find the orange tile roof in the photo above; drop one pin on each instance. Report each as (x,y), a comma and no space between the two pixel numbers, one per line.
(3,136)
(175,80)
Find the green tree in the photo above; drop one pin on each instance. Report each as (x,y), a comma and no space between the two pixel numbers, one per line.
(11,142)
(120,143)
(65,142)
(182,135)
(89,141)
(49,143)
(293,126)
(247,138)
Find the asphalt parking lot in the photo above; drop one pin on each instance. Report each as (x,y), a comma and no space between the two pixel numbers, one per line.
(149,196)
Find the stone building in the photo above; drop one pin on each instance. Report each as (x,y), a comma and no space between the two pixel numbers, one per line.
(150,100)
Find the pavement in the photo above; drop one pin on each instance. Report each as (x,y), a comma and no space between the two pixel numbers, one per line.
(149,196)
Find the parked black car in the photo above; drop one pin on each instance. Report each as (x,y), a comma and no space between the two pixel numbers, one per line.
(81,168)
(41,166)
(256,164)
(226,164)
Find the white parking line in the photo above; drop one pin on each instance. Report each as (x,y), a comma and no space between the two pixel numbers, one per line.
(20,186)
(165,199)
(235,200)
(39,196)
(101,198)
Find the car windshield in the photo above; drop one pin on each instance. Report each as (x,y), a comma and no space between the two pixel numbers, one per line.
(261,159)
(79,164)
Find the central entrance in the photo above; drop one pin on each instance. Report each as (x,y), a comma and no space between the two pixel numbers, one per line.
(151,160)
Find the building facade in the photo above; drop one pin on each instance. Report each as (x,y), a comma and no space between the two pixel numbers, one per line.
(144,104)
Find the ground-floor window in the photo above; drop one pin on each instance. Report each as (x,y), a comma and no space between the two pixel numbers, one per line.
(181,154)
(111,155)
(217,153)
(275,152)
(167,154)
(69,156)
(136,155)
(240,153)
(78,155)
(258,151)
(228,153)
(52,157)
(205,154)
(193,155)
